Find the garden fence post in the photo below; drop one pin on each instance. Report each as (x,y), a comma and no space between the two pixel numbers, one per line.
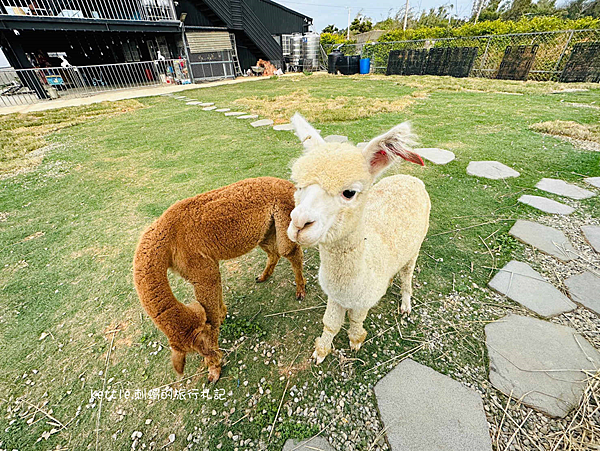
(563,52)
(484,57)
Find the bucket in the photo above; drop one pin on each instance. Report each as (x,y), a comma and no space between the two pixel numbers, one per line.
(365,65)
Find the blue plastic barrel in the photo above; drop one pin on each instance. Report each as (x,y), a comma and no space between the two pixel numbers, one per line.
(365,65)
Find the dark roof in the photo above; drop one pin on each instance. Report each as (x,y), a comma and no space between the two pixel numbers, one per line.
(285,8)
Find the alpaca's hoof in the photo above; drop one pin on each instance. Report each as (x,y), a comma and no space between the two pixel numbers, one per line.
(318,358)
(214,372)
(405,308)
(300,294)
(355,345)
(260,279)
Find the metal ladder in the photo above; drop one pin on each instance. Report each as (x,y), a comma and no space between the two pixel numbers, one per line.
(234,55)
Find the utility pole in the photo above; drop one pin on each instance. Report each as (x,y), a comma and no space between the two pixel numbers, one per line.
(405,16)
(348,30)
(480,7)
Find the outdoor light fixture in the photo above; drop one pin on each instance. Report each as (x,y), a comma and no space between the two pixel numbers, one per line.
(182,17)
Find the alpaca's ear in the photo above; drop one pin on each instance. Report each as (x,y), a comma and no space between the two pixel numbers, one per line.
(308,135)
(382,151)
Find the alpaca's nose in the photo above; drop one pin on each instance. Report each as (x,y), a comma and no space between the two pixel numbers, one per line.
(301,220)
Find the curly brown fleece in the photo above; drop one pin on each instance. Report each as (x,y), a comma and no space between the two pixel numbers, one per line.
(191,237)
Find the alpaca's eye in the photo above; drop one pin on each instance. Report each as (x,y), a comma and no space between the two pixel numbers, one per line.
(348,194)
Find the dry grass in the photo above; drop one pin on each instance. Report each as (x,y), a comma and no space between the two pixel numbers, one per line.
(22,134)
(569,129)
(583,431)
(321,109)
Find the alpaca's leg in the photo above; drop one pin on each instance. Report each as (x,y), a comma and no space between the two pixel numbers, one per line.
(178,360)
(406,274)
(332,322)
(291,251)
(269,245)
(205,277)
(295,258)
(356,331)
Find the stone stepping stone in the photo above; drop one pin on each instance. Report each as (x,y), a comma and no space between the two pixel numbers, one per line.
(562,188)
(336,139)
(592,235)
(585,289)
(222,110)
(193,102)
(436,156)
(424,410)
(247,116)
(179,97)
(261,123)
(362,145)
(521,283)
(234,113)
(491,170)
(207,103)
(209,108)
(546,205)
(283,127)
(594,181)
(313,444)
(525,355)
(546,239)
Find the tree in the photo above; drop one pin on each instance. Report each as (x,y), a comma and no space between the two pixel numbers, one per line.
(330,29)
(361,24)
(518,9)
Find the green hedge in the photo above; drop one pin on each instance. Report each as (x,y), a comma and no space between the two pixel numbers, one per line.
(493,27)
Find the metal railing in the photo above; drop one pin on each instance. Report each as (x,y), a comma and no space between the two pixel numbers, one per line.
(152,10)
(553,51)
(26,86)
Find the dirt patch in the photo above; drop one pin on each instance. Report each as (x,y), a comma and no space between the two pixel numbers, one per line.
(320,109)
(569,129)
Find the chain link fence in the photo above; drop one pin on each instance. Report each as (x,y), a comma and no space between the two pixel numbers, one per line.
(553,51)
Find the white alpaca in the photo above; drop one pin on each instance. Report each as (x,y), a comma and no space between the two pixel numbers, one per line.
(366,233)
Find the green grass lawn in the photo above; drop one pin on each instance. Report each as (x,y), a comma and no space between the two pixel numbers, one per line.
(69,227)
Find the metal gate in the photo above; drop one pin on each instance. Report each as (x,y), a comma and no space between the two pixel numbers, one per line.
(211,55)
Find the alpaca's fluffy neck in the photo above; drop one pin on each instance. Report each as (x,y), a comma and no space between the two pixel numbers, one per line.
(346,255)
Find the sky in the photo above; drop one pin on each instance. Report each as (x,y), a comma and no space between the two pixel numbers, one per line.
(325,12)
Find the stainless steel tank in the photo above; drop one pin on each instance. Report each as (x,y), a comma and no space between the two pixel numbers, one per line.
(296,50)
(310,51)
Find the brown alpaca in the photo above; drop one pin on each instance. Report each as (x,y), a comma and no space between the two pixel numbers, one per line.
(191,237)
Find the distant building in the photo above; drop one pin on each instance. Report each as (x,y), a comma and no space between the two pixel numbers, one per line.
(46,33)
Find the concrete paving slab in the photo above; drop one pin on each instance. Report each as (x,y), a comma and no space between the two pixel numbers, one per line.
(540,363)
(546,239)
(336,139)
(491,170)
(436,156)
(193,102)
(283,127)
(314,444)
(423,410)
(234,113)
(207,103)
(594,181)
(261,123)
(546,205)
(362,145)
(209,108)
(562,188)
(521,283)
(247,116)
(592,235)
(222,110)
(585,289)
